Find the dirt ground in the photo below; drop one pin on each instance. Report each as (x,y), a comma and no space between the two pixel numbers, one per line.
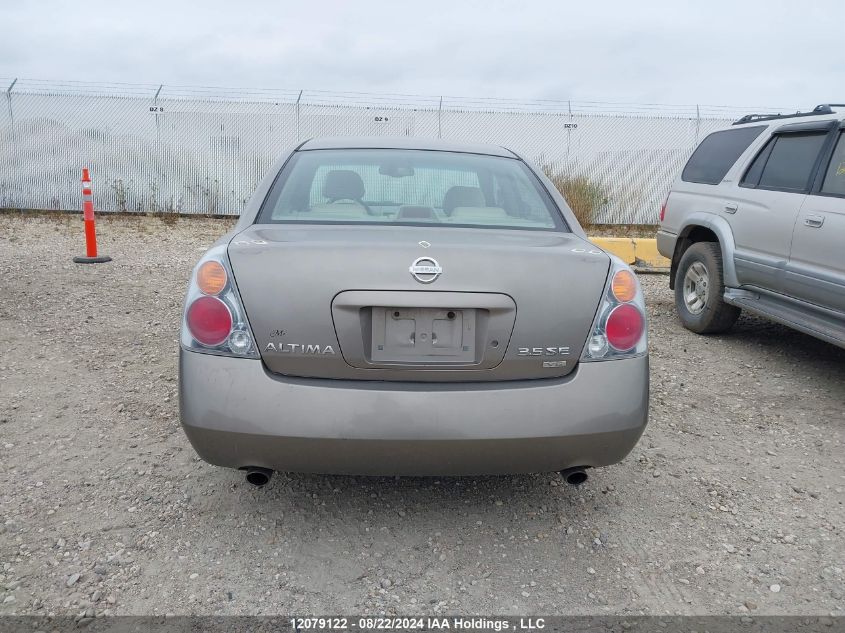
(731,503)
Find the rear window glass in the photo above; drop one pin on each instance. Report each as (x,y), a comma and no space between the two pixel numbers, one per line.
(834,179)
(785,163)
(717,153)
(391,186)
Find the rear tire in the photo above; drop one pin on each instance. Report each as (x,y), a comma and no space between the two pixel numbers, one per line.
(699,288)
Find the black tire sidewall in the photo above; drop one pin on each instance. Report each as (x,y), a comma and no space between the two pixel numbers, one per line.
(703,321)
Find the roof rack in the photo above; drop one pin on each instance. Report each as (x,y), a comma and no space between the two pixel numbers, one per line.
(824,108)
(827,108)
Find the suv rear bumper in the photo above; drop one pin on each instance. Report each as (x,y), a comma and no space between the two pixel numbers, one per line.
(666,243)
(236,414)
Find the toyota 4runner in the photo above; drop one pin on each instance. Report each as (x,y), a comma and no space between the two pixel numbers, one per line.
(756,222)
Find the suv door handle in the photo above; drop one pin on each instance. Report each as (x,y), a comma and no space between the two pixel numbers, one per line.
(731,207)
(814,221)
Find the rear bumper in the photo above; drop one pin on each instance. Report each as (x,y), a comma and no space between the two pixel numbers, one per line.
(666,243)
(236,414)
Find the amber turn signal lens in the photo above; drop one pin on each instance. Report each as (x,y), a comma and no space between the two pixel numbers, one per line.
(211,278)
(624,286)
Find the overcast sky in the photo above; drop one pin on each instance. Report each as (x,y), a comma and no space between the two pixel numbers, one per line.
(709,52)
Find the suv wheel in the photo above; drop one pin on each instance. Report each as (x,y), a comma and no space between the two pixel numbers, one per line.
(699,286)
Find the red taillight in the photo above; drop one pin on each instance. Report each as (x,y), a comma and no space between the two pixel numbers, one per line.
(624,327)
(663,209)
(209,320)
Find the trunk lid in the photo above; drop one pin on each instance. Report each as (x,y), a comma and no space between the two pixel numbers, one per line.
(342,302)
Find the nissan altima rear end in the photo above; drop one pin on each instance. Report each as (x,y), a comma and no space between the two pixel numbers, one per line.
(408,307)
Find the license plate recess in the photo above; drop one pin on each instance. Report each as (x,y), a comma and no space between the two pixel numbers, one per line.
(416,335)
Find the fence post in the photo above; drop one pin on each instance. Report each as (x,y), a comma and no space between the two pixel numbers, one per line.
(298,99)
(9,100)
(159,192)
(568,133)
(440,118)
(155,105)
(697,122)
(13,139)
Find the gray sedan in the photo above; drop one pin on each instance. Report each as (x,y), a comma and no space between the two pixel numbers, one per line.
(403,306)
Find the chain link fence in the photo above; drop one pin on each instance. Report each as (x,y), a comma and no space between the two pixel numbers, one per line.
(203,150)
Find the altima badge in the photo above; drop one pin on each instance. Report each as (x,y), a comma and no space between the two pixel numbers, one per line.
(299,348)
(425,270)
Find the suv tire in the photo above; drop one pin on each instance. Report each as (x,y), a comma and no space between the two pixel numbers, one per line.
(699,287)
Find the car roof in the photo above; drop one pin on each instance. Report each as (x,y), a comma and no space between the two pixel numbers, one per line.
(404,142)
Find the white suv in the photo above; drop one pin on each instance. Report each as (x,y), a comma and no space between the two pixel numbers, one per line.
(756,221)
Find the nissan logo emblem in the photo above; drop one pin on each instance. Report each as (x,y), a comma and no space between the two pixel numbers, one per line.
(425,270)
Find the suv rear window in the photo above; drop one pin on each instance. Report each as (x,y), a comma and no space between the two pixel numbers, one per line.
(717,153)
(785,164)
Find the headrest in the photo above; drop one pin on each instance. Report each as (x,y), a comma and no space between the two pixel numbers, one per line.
(460,196)
(343,184)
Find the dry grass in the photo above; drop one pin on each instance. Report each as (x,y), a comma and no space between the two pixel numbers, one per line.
(583,195)
(168,218)
(621,230)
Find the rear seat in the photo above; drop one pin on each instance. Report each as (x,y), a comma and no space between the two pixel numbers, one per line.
(338,210)
(470,215)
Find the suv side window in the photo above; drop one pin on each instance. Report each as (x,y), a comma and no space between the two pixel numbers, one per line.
(786,162)
(834,179)
(717,153)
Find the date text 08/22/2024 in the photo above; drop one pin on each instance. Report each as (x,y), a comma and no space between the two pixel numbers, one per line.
(457,623)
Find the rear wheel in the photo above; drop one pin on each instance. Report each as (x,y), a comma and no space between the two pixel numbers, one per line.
(699,287)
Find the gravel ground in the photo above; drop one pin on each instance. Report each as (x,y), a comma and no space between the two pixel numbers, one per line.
(731,503)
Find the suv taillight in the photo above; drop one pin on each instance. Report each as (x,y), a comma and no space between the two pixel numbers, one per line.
(214,321)
(620,328)
(663,208)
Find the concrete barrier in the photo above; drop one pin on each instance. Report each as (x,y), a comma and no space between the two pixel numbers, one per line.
(639,252)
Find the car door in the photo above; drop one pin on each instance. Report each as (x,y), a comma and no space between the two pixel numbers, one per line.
(816,269)
(768,199)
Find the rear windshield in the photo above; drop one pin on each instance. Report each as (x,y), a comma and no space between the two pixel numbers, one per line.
(717,154)
(390,186)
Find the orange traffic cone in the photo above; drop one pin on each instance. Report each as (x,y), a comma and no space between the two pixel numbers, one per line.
(91,256)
